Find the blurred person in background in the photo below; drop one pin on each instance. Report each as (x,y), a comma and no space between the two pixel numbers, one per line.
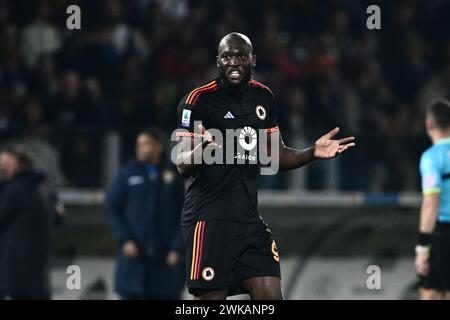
(40,36)
(25,220)
(2,249)
(433,248)
(144,207)
(148,45)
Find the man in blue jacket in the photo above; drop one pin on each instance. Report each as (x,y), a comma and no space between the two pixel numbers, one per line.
(144,205)
(26,212)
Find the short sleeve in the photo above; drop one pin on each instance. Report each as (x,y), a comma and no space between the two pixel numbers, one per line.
(187,116)
(430,174)
(272,115)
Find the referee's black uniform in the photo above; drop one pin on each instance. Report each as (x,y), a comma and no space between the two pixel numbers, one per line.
(226,240)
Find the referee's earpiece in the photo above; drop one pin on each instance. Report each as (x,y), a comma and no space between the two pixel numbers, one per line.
(253,61)
(217,61)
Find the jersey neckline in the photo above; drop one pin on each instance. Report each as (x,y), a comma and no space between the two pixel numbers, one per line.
(443,141)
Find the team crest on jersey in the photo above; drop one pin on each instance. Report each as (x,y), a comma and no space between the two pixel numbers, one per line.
(208,274)
(260,112)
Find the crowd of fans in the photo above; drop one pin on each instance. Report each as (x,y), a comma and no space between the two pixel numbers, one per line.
(132,61)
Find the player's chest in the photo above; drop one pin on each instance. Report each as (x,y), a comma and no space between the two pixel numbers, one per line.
(233,113)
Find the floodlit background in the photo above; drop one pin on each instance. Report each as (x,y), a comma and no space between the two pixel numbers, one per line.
(77,98)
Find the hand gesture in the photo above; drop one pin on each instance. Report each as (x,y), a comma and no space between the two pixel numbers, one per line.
(326,148)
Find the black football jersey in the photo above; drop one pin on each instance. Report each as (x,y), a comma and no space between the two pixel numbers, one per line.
(227,191)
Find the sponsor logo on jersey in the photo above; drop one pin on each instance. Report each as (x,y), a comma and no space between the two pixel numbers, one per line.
(248,133)
(229,115)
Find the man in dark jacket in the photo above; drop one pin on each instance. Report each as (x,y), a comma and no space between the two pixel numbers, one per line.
(2,246)
(25,218)
(144,207)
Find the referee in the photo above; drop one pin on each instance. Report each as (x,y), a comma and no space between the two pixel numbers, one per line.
(433,248)
(229,248)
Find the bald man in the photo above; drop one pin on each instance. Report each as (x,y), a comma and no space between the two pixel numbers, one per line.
(230,249)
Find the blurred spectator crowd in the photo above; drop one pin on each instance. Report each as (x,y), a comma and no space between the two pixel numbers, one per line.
(132,61)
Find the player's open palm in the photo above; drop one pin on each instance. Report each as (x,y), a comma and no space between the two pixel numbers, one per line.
(326,147)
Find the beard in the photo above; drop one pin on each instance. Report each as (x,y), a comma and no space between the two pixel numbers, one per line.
(245,77)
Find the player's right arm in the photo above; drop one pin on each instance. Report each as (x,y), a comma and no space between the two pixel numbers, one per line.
(193,139)
(431,187)
(188,147)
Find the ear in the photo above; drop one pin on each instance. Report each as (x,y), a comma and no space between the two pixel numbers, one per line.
(217,61)
(253,61)
(429,123)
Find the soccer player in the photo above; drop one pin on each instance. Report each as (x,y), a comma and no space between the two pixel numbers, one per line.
(229,248)
(433,248)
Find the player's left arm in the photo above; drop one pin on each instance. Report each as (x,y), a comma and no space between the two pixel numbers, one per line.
(324,148)
(431,188)
(289,158)
(428,218)
(428,212)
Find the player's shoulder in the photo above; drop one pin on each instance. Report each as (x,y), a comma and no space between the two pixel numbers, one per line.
(433,156)
(437,150)
(428,154)
(194,96)
(261,87)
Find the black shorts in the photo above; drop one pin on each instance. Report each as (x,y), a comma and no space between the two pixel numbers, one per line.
(221,254)
(438,277)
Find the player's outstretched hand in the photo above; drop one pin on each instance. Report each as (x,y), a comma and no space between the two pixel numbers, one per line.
(326,148)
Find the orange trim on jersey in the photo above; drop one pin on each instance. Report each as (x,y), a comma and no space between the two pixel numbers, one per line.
(194,249)
(190,94)
(197,250)
(274,129)
(199,92)
(199,260)
(197,253)
(195,92)
(188,134)
(255,83)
